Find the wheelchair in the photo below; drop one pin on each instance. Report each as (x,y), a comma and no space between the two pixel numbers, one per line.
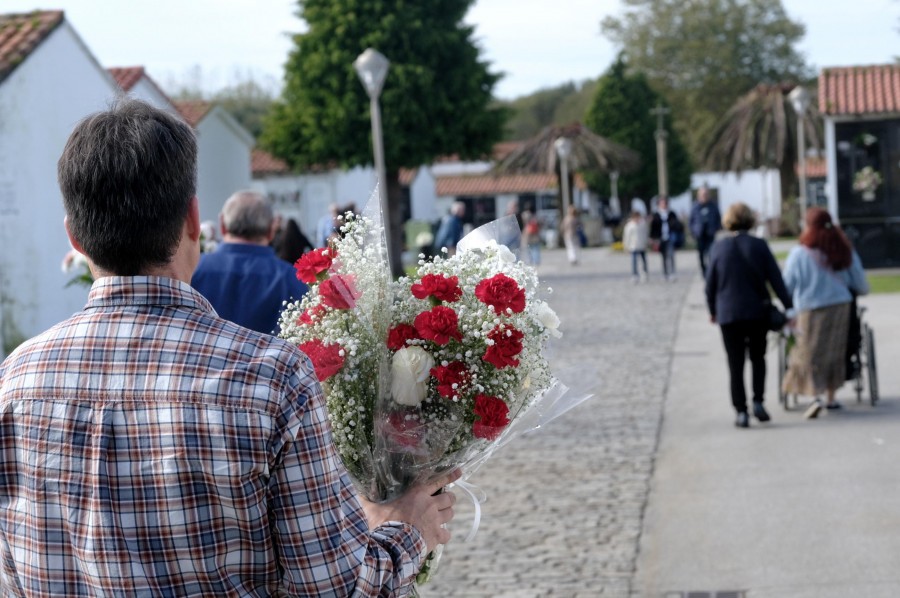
(861,367)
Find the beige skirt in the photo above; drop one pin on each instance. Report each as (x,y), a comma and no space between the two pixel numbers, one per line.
(817,359)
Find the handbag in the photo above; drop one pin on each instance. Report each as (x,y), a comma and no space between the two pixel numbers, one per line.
(775,317)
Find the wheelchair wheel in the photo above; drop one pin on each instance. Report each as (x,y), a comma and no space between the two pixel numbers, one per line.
(871,369)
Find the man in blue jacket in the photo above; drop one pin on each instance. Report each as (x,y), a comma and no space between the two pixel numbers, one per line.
(705,222)
(243,278)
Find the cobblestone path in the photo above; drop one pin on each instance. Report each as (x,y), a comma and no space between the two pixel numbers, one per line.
(565,503)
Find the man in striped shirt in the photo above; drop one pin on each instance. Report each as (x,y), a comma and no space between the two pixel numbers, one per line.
(149,447)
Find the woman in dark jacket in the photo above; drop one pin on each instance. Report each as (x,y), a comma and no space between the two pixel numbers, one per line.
(739,268)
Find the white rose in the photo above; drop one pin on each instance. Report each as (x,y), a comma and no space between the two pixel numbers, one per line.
(505,255)
(410,369)
(548,318)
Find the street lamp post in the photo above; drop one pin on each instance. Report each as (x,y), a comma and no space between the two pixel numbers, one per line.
(563,147)
(661,135)
(614,190)
(372,68)
(800,99)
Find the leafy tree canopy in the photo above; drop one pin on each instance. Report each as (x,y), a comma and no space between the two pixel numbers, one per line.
(621,113)
(435,101)
(246,98)
(559,106)
(705,54)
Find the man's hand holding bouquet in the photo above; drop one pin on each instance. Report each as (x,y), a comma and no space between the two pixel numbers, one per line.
(430,373)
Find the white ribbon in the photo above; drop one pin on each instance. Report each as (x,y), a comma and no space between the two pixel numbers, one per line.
(477,496)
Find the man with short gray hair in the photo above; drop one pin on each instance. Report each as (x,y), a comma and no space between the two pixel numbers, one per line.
(243,278)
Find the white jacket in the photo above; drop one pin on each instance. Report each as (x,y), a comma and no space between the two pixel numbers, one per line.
(634,237)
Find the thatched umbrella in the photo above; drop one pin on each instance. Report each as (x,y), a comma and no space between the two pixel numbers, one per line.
(760,131)
(590,152)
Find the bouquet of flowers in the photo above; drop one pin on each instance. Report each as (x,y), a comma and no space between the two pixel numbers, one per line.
(77,261)
(867,180)
(430,372)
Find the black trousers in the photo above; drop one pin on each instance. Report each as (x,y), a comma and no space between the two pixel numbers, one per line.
(741,338)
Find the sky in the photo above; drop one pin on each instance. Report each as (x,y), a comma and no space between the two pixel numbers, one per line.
(536,45)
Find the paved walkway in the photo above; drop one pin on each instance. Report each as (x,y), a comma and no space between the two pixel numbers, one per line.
(565,503)
(647,490)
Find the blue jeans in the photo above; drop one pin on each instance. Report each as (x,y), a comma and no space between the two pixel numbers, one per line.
(634,261)
(534,253)
(667,251)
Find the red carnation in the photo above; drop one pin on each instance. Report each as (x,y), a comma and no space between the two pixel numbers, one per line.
(340,291)
(447,376)
(501,291)
(313,265)
(440,324)
(399,334)
(442,288)
(507,344)
(313,313)
(326,359)
(494,417)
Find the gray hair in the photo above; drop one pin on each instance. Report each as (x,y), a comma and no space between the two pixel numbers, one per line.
(247,215)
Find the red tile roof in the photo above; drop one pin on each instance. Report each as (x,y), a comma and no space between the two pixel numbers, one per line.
(193,111)
(127,76)
(857,90)
(262,162)
(493,185)
(816,168)
(408,175)
(21,33)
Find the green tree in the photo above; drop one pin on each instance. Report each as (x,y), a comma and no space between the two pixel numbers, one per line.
(705,54)
(436,100)
(559,106)
(621,113)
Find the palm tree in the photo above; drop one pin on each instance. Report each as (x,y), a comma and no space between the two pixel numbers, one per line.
(589,152)
(760,131)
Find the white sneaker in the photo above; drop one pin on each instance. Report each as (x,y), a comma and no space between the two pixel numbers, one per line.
(812,411)
(643,277)
(673,278)
(634,280)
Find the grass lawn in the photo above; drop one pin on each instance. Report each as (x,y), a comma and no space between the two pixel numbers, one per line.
(884,283)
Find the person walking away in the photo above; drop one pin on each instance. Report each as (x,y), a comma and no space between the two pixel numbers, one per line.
(736,294)
(531,235)
(152,448)
(570,226)
(634,239)
(705,221)
(823,273)
(290,243)
(664,227)
(243,279)
(451,229)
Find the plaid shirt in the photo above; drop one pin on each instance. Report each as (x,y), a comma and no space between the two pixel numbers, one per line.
(150,448)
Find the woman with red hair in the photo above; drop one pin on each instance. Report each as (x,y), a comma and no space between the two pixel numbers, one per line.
(823,274)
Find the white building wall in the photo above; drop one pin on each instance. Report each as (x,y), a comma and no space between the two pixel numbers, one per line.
(423,196)
(40,103)
(223,163)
